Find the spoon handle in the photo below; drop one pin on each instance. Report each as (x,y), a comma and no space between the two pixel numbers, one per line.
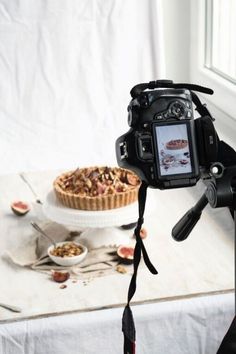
(11,307)
(36,227)
(22,175)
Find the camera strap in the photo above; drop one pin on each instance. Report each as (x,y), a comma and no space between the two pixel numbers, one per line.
(128,326)
(201,108)
(137,89)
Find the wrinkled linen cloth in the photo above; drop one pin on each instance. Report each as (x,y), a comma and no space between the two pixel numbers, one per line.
(33,254)
(186,326)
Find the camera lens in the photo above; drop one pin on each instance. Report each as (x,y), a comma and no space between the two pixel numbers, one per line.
(177,109)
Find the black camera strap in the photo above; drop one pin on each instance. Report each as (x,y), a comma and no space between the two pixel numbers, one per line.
(201,108)
(128,326)
(137,89)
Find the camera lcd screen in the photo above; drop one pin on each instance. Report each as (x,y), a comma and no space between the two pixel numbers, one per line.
(173,149)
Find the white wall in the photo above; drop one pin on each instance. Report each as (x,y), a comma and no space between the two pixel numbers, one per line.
(66,70)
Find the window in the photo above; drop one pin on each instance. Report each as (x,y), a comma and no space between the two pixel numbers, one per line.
(220,41)
(213,52)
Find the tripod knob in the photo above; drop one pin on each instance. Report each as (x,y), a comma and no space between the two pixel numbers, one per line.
(217,169)
(211,194)
(221,191)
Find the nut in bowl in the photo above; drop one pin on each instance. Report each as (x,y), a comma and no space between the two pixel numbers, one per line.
(67,253)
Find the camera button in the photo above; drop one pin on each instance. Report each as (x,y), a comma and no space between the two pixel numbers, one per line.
(144,101)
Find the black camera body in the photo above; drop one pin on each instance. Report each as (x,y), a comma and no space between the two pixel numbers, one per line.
(165,145)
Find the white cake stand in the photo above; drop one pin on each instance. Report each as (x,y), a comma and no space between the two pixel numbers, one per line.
(101,228)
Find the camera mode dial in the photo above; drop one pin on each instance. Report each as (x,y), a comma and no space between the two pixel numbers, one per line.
(177,109)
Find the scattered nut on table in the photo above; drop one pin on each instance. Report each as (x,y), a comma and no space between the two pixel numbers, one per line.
(63,286)
(121,269)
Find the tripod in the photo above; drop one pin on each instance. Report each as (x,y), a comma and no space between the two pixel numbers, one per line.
(220,192)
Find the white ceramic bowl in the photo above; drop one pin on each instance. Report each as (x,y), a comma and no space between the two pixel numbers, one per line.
(68,261)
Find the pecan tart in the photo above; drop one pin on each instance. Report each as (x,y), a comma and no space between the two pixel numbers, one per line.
(177,144)
(97,188)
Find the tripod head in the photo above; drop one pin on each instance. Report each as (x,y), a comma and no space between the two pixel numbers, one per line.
(220,191)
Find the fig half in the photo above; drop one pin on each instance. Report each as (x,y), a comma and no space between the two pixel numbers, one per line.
(20,208)
(126,254)
(60,277)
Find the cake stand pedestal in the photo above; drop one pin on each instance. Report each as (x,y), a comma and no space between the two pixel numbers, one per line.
(99,228)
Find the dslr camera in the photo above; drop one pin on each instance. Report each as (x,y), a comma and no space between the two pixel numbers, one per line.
(165,145)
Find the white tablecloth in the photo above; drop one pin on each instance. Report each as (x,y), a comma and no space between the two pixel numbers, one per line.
(182,297)
(194,325)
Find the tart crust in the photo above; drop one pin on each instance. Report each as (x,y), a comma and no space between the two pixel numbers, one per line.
(177,144)
(105,201)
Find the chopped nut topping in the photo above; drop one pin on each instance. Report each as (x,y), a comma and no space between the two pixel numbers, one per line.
(97,181)
(69,249)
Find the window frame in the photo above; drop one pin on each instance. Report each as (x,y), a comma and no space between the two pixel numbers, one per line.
(223,102)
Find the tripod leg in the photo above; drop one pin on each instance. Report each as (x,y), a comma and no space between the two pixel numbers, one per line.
(228,345)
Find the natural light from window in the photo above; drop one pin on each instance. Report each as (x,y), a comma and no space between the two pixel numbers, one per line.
(221,38)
